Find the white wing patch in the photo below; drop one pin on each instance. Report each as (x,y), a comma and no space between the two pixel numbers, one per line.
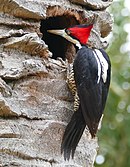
(103,63)
(99,67)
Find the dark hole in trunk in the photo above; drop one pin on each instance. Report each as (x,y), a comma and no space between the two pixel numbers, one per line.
(57,45)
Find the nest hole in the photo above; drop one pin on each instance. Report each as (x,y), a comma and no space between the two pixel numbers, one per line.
(59,46)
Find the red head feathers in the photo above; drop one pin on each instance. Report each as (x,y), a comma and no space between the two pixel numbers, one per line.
(80,32)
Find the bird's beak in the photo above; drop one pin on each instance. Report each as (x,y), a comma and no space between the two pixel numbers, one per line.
(65,35)
(58,32)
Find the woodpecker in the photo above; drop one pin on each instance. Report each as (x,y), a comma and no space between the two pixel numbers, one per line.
(89,81)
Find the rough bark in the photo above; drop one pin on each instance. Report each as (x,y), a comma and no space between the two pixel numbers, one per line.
(35,102)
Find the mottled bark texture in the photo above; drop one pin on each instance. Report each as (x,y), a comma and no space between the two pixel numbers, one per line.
(35,102)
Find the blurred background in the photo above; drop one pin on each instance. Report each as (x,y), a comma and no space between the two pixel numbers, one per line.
(114,136)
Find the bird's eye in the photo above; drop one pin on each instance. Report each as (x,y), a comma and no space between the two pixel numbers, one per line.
(68,31)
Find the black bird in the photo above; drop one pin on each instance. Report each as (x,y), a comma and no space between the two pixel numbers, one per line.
(89,81)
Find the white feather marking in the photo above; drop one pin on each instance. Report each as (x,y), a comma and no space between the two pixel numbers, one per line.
(104,64)
(99,67)
(78,45)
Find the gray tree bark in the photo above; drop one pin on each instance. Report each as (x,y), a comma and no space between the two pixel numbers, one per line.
(35,102)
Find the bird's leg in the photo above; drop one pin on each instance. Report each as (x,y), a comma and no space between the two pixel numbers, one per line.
(62,61)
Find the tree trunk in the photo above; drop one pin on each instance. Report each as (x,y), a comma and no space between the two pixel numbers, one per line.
(35,102)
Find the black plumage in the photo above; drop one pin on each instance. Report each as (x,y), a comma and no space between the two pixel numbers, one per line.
(92,90)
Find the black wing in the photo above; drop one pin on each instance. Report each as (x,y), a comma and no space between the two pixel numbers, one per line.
(92,93)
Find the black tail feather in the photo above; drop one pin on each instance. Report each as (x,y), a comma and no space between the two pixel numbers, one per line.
(72,135)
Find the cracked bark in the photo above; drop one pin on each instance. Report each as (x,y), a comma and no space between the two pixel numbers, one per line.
(35,102)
